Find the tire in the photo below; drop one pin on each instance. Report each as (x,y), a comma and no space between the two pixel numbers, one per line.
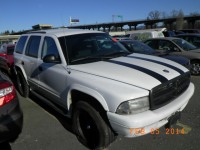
(22,85)
(195,67)
(90,128)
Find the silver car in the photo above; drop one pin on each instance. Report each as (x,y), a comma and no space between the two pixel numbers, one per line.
(177,46)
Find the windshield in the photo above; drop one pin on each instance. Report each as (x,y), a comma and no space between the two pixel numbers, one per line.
(90,47)
(138,47)
(184,44)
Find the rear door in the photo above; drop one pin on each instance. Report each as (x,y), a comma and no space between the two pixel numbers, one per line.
(29,62)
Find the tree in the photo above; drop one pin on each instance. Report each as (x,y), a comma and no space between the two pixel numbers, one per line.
(194,14)
(180,20)
(154,15)
(174,13)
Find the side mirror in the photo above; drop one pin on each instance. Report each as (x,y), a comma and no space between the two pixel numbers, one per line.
(51,58)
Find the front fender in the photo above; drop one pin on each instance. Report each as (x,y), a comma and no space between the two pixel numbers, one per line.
(95,94)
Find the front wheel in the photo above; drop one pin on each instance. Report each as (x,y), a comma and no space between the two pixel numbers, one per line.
(22,85)
(90,128)
(195,67)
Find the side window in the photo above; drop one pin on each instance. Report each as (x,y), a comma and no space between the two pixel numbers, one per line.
(152,44)
(49,47)
(20,44)
(166,45)
(33,46)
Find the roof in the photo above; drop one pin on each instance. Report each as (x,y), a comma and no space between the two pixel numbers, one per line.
(189,34)
(64,31)
(164,38)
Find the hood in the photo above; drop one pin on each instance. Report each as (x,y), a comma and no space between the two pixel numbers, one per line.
(195,50)
(179,59)
(139,70)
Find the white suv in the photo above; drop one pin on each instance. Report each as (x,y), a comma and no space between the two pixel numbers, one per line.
(94,80)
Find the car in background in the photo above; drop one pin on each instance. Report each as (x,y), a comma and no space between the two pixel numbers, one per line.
(192,38)
(169,33)
(6,51)
(190,30)
(139,47)
(11,116)
(180,47)
(121,37)
(142,35)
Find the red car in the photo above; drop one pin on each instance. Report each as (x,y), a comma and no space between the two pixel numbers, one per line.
(6,51)
(11,115)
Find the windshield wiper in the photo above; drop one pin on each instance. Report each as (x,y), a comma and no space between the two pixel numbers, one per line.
(101,57)
(119,53)
(90,58)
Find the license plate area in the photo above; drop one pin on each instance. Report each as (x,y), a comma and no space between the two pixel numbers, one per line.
(173,119)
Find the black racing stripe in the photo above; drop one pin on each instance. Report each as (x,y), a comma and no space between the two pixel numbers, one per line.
(157,76)
(161,63)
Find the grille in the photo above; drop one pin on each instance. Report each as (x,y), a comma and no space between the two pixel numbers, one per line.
(167,92)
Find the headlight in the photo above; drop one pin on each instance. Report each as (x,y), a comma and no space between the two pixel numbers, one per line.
(133,106)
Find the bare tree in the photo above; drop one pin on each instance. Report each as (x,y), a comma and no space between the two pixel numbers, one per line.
(164,15)
(154,15)
(180,20)
(174,13)
(194,14)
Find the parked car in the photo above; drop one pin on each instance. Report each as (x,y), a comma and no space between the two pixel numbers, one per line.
(169,33)
(190,30)
(142,35)
(87,76)
(180,47)
(122,37)
(191,38)
(11,116)
(135,46)
(6,51)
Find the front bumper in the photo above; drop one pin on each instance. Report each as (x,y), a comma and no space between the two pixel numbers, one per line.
(143,123)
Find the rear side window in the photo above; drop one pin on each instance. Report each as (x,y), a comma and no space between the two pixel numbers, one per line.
(33,46)
(20,44)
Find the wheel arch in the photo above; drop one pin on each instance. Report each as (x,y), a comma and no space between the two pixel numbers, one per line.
(94,98)
(193,60)
(18,68)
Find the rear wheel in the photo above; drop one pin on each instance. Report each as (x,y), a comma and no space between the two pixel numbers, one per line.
(90,128)
(195,69)
(22,85)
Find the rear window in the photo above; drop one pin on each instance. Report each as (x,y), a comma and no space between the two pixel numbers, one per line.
(20,44)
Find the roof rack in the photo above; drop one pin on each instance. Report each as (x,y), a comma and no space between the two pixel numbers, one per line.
(43,32)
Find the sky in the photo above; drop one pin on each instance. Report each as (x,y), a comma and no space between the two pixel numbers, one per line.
(19,15)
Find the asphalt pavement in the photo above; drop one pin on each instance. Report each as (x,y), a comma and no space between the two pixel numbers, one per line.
(45,129)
